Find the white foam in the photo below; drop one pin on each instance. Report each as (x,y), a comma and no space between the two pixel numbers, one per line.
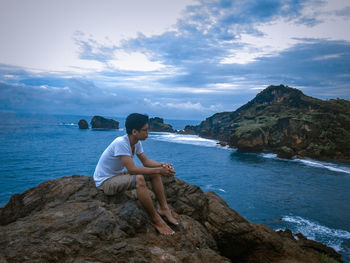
(184,139)
(269,155)
(315,231)
(210,187)
(313,163)
(330,166)
(68,124)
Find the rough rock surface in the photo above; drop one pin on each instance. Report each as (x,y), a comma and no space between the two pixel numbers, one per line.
(285,121)
(70,220)
(98,122)
(83,124)
(157,124)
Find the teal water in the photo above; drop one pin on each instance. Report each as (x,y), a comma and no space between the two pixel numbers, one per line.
(306,196)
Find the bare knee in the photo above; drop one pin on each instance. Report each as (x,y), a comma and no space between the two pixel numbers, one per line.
(140,181)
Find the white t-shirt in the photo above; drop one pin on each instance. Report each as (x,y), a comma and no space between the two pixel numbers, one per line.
(110,163)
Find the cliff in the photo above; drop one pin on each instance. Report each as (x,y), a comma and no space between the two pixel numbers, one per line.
(285,121)
(70,220)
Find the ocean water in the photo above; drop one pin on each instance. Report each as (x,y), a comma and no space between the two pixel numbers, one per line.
(307,196)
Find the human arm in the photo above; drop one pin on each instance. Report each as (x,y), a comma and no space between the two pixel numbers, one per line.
(133,169)
(151,163)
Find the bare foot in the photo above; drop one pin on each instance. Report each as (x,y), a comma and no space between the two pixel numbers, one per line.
(161,226)
(168,215)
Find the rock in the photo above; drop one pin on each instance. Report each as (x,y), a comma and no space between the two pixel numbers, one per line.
(83,124)
(285,121)
(98,122)
(222,144)
(189,129)
(285,152)
(69,220)
(157,124)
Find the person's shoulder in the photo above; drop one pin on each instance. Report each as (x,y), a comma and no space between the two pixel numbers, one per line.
(138,145)
(120,139)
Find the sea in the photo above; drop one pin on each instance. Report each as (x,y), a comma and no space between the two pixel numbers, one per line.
(305,195)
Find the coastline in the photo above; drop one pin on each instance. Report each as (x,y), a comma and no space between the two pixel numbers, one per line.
(285,187)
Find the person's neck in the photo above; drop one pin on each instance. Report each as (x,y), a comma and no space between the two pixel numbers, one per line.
(132,140)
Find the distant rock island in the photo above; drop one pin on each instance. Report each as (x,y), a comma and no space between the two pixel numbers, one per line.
(157,124)
(98,122)
(285,121)
(83,124)
(69,220)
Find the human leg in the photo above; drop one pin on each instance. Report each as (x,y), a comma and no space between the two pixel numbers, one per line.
(146,202)
(117,184)
(158,189)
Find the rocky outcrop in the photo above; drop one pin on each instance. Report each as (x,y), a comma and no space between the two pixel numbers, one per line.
(283,120)
(190,130)
(98,122)
(83,124)
(157,124)
(70,220)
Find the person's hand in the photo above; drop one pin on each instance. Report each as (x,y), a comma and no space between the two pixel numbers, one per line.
(164,164)
(167,171)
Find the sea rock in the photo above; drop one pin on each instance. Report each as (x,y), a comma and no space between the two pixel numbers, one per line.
(157,124)
(98,122)
(285,152)
(83,124)
(69,220)
(222,144)
(189,130)
(285,121)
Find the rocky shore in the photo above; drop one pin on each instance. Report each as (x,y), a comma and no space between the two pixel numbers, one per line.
(69,220)
(284,121)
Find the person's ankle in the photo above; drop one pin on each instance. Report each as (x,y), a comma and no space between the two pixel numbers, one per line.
(156,218)
(164,208)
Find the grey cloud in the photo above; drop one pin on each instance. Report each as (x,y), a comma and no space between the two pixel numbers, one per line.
(344,12)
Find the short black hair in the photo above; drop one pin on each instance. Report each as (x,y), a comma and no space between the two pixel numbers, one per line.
(135,121)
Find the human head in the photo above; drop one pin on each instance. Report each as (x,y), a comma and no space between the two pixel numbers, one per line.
(135,121)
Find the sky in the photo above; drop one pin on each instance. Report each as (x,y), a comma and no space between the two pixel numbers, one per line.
(183,59)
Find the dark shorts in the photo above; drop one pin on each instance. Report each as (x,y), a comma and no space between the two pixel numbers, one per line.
(118,183)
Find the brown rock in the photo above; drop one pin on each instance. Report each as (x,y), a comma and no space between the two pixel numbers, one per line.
(70,220)
(83,124)
(98,122)
(157,124)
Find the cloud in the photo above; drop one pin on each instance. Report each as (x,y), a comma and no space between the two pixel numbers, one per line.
(135,61)
(183,106)
(40,34)
(56,95)
(343,12)
(215,57)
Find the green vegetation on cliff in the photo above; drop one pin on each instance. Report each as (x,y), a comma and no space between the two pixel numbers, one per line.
(285,121)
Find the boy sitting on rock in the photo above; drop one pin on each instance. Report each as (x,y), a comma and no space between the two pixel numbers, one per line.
(112,179)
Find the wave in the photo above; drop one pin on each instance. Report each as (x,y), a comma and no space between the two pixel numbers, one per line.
(209,187)
(185,139)
(67,124)
(330,166)
(199,141)
(315,231)
(335,167)
(269,155)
